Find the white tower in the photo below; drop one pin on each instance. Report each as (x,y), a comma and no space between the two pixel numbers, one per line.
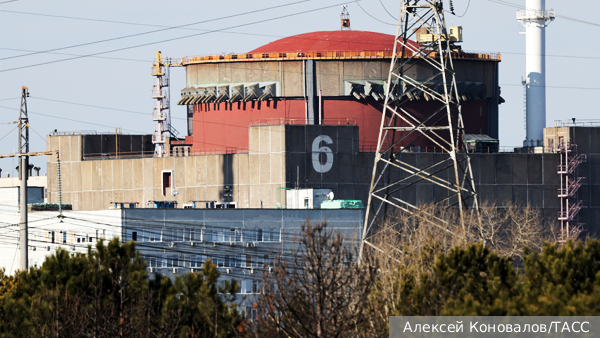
(535,19)
(160,113)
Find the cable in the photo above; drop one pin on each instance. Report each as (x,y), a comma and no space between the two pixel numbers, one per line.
(68,54)
(558,87)
(5,2)
(390,14)
(68,119)
(154,31)
(167,40)
(9,132)
(383,22)
(466,10)
(30,127)
(514,5)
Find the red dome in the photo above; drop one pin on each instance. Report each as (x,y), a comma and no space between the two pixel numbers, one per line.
(330,41)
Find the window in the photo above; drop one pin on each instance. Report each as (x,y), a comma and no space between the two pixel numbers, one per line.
(64,237)
(249,261)
(189,235)
(239,261)
(166,183)
(134,236)
(172,261)
(251,313)
(306,200)
(196,261)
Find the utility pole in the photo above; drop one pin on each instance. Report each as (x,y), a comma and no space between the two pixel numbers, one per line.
(23,171)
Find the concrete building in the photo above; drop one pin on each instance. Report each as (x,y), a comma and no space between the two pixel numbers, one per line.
(332,77)
(243,243)
(47,233)
(10,188)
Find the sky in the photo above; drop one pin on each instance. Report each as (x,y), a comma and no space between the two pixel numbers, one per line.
(103,80)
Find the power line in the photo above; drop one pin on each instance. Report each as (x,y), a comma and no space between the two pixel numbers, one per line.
(383,22)
(99,107)
(224,32)
(68,119)
(390,14)
(68,54)
(466,10)
(168,40)
(558,87)
(154,31)
(514,5)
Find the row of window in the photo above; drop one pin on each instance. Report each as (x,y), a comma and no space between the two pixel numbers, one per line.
(67,236)
(197,261)
(247,286)
(206,235)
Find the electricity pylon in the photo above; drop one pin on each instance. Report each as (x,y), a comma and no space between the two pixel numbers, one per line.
(420,70)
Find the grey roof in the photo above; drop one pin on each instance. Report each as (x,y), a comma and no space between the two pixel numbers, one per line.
(479,138)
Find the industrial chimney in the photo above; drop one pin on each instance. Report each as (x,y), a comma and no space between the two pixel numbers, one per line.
(534,19)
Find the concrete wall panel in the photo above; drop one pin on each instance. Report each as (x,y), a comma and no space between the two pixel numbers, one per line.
(254,144)
(96,176)
(212,170)
(238,72)
(269,71)
(254,172)
(504,194)
(372,70)
(292,79)
(328,78)
(487,166)
(225,73)
(208,74)
(65,148)
(534,169)
(97,203)
(487,193)
(550,169)
(503,169)
(76,148)
(519,194)
(264,140)
(86,200)
(147,167)
(519,168)
(241,175)
(75,176)
(201,168)
(353,70)
(264,168)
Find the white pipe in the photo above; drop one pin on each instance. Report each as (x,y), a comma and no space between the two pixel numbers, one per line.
(304,91)
(535,66)
(535,19)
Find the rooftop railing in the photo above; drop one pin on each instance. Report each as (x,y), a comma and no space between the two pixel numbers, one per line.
(340,54)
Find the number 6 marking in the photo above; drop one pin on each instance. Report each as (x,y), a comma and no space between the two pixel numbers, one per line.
(317,150)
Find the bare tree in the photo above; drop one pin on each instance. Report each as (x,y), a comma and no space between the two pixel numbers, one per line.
(406,247)
(320,293)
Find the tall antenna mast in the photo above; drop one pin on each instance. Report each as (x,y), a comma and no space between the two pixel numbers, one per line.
(423,69)
(23,171)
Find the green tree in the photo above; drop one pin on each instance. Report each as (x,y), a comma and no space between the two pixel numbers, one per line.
(106,293)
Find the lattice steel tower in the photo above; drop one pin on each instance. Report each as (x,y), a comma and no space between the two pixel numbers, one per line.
(424,70)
